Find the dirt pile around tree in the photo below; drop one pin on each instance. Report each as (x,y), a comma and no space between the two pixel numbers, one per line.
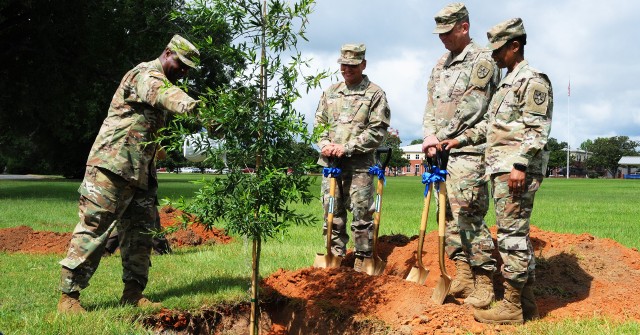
(26,240)
(578,276)
(196,234)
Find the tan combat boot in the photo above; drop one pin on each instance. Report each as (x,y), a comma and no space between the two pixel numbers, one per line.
(507,311)
(528,300)
(70,303)
(483,295)
(132,295)
(462,284)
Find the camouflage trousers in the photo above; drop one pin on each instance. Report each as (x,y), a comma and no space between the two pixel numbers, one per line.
(358,187)
(160,243)
(512,218)
(467,236)
(106,201)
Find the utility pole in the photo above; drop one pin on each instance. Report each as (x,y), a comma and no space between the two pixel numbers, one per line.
(568,151)
(568,126)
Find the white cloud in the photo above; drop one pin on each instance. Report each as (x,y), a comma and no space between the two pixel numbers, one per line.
(590,42)
(404,79)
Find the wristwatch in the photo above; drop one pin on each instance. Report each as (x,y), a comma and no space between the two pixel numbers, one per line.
(520,167)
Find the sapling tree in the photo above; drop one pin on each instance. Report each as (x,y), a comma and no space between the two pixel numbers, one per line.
(256,118)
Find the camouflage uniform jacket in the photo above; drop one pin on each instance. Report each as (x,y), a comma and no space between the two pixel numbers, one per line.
(459,91)
(518,122)
(138,109)
(356,117)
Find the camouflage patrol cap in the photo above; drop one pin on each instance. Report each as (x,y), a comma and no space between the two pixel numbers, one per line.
(505,31)
(448,16)
(186,51)
(352,54)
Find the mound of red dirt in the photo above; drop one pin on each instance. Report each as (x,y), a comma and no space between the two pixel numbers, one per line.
(26,240)
(578,276)
(196,234)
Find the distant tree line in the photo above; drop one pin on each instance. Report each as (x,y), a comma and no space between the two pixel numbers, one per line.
(62,62)
(602,155)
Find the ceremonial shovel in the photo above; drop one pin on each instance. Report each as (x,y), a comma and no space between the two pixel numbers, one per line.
(329,260)
(444,284)
(374,265)
(419,272)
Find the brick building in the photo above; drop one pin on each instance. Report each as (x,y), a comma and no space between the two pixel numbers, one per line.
(415,156)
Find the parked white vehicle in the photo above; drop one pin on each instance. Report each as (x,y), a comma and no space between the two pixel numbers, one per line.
(189,169)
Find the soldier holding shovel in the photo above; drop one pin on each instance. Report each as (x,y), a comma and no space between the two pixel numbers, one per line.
(353,117)
(459,90)
(516,129)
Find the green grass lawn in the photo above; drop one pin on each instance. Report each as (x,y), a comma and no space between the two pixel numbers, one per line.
(193,277)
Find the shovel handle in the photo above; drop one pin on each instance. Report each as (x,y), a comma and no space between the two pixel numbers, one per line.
(423,225)
(442,158)
(442,198)
(376,216)
(332,195)
(378,202)
(442,210)
(380,186)
(383,150)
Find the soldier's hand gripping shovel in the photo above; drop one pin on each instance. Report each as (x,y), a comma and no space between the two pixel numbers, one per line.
(375,265)
(444,284)
(329,260)
(419,272)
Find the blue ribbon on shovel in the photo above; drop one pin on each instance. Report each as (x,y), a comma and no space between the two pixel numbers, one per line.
(333,171)
(376,170)
(436,176)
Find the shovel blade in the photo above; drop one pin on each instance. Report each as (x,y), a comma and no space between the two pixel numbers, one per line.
(418,275)
(327,261)
(373,266)
(441,290)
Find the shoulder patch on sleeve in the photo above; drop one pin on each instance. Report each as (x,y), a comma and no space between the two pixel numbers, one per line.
(481,73)
(537,97)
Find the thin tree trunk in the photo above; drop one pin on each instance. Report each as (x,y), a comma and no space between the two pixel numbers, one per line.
(255,278)
(257,240)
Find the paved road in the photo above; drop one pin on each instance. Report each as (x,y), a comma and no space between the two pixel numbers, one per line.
(23,176)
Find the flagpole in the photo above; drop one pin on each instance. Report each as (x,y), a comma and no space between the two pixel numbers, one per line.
(568,126)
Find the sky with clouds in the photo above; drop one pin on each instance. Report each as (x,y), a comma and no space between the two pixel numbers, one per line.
(592,44)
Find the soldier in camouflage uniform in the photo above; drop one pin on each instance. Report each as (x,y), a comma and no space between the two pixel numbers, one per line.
(354,117)
(516,129)
(460,87)
(120,183)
